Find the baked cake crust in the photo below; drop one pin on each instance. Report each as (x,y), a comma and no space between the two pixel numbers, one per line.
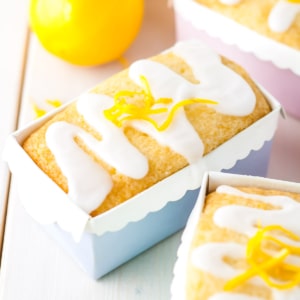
(214,129)
(254,15)
(201,284)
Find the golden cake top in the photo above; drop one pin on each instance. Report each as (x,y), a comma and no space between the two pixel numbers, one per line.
(155,108)
(264,250)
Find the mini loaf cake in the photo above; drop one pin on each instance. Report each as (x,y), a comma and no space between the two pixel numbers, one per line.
(276,19)
(246,246)
(144,124)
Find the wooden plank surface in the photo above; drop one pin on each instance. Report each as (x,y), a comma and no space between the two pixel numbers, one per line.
(13,36)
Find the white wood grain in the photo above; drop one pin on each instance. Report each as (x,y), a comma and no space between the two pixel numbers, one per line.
(13,35)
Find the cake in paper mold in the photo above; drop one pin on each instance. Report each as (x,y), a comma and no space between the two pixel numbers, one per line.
(276,19)
(241,242)
(145,124)
(261,36)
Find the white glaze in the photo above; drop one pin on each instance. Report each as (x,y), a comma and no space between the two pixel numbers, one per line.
(90,106)
(232,296)
(218,83)
(283,15)
(245,219)
(76,166)
(230,2)
(209,257)
(293,294)
(235,296)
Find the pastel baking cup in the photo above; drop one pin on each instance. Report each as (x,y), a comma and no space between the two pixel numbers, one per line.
(142,221)
(272,64)
(211,181)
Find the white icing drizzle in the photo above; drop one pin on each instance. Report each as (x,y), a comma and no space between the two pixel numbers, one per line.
(90,106)
(217,82)
(76,166)
(242,219)
(180,136)
(283,15)
(209,258)
(293,294)
(230,2)
(232,296)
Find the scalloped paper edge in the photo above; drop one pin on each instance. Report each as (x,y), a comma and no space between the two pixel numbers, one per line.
(47,203)
(232,33)
(190,177)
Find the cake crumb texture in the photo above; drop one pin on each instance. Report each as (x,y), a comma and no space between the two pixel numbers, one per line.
(202,285)
(213,128)
(254,15)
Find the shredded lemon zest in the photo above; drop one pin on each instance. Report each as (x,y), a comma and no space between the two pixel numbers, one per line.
(256,270)
(264,265)
(39,112)
(122,111)
(54,103)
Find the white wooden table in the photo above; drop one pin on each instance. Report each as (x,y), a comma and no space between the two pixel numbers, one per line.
(33,267)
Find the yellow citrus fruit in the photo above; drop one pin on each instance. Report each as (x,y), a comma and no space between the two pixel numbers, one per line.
(86,32)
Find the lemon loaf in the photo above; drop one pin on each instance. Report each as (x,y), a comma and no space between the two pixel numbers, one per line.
(245,246)
(276,19)
(144,124)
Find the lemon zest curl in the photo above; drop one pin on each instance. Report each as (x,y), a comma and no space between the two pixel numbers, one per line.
(122,111)
(39,112)
(265,265)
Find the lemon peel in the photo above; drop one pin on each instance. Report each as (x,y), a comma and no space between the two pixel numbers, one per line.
(122,111)
(39,112)
(54,102)
(265,265)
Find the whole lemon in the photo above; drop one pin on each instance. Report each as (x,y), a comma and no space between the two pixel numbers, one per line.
(86,32)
